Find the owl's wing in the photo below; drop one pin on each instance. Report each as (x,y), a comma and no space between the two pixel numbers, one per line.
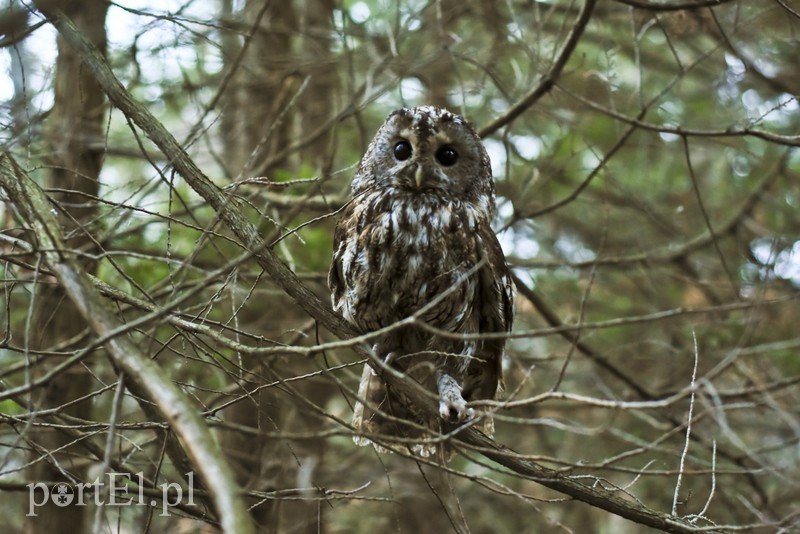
(340,237)
(496,281)
(497,294)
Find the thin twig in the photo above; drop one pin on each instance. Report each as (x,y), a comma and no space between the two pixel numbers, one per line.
(688,429)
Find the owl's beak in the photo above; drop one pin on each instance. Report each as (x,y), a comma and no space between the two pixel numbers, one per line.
(424,177)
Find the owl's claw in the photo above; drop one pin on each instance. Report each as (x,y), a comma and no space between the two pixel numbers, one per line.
(383,352)
(456,412)
(452,406)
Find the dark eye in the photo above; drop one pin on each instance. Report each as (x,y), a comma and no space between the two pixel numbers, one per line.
(402,150)
(446,156)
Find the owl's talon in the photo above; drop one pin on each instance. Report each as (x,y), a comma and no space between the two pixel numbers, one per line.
(381,351)
(456,412)
(452,406)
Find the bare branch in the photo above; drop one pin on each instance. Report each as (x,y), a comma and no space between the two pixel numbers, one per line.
(172,404)
(550,78)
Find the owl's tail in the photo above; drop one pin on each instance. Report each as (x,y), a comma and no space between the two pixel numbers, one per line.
(370,419)
(373,392)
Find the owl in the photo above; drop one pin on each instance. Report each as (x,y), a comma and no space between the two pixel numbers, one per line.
(415,239)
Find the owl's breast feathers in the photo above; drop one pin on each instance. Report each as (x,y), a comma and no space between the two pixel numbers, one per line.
(395,253)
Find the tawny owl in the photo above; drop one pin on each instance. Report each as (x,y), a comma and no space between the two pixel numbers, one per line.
(416,239)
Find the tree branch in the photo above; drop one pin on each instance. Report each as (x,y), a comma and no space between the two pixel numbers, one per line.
(34,208)
(550,78)
(227,211)
(675,6)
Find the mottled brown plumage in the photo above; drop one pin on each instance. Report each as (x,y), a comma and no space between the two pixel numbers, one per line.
(416,239)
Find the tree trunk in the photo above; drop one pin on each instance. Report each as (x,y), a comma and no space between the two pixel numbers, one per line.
(75,127)
(265,113)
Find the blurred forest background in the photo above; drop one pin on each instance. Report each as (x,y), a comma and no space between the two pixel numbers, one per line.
(648,179)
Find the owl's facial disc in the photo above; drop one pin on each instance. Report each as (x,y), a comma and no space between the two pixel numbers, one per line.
(423,156)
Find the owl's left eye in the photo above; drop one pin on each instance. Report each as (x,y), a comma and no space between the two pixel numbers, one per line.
(402,150)
(446,156)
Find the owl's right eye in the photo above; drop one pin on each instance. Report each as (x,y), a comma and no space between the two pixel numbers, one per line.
(402,150)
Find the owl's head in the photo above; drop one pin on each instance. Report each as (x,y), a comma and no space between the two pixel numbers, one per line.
(428,150)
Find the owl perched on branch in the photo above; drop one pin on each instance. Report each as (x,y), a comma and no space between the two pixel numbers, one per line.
(416,240)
